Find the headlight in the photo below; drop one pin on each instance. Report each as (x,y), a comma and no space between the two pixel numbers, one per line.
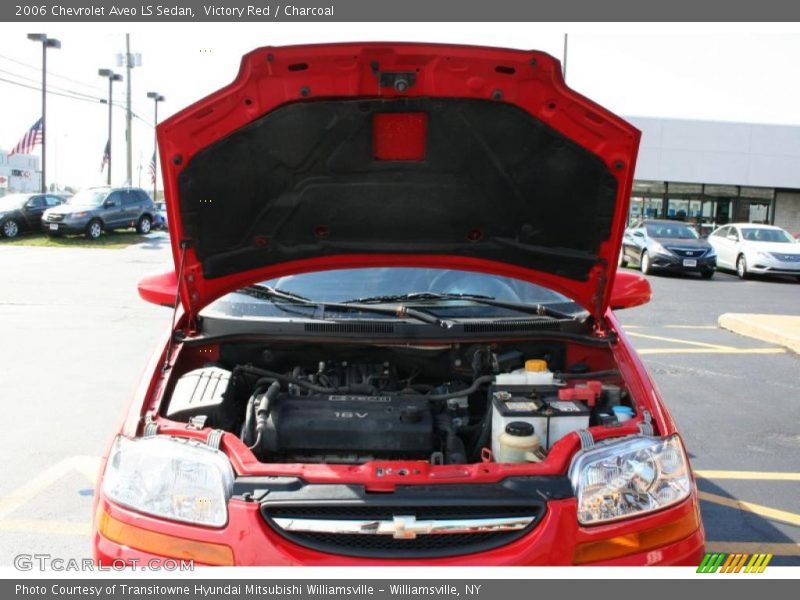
(658,248)
(711,252)
(177,479)
(628,478)
(78,215)
(763,255)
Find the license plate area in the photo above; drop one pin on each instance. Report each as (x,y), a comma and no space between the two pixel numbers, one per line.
(689,262)
(53,226)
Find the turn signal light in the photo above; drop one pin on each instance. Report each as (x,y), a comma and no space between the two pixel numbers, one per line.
(641,541)
(206,553)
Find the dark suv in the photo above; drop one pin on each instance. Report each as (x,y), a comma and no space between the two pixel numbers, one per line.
(93,210)
(23,212)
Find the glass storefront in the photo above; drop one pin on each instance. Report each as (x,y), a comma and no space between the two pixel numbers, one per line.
(706,206)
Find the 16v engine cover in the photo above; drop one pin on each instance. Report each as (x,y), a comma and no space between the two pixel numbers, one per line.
(397,426)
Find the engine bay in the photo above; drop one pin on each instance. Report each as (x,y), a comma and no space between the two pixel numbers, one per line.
(446,404)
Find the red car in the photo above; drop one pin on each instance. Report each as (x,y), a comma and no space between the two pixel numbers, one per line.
(396,269)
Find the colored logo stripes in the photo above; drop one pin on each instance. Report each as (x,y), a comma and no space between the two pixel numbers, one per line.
(734,563)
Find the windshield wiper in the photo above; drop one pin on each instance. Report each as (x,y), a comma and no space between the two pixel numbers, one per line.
(541,310)
(266,292)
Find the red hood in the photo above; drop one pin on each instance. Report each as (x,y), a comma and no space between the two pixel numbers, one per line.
(394,154)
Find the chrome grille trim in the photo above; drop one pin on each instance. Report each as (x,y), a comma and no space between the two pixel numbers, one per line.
(404,527)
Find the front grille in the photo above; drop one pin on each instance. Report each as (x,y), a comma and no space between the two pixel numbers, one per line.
(55,217)
(687,252)
(387,546)
(786,257)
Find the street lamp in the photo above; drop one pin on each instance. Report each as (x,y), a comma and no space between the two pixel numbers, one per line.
(156,98)
(112,77)
(46,43)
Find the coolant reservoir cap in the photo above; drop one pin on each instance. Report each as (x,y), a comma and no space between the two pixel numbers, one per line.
(519,428)
(535,365)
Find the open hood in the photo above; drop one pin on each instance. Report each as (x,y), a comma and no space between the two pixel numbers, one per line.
(389,154)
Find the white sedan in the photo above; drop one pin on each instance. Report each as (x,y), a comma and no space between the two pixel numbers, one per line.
(751,249)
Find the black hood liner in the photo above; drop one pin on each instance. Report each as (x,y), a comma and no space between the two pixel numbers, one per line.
(302,182)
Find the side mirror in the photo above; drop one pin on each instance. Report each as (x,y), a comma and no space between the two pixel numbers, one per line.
(108,203)
(629,290)
(638,234)
(159,288)
(732,237)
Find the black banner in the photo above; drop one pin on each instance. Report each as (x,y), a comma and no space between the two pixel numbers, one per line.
(144,11)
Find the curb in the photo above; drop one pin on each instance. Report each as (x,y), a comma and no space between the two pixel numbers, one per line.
(782,330)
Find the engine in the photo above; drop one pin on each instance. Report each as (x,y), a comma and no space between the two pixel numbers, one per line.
(351,412)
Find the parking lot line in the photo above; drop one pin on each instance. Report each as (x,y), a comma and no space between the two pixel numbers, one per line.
(662,338)
(722,350)
(690,326)
(778,549)
(86,465)
(750,475)
(43,526)
(757,509)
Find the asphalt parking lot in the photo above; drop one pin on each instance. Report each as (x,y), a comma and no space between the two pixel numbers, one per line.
(75,337)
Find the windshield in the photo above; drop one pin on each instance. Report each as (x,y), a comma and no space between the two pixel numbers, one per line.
(671,230)
(343,285)
(88,197)
(12,201)
(762,234)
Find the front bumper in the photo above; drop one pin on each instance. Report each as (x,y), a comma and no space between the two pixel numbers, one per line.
(552,542)
(66,226)
(760,266)
(671,262)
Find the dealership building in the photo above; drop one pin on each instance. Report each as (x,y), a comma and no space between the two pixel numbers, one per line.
(705,172)
(711,173)
(19,173)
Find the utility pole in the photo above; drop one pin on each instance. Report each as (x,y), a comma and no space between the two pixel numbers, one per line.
(46,43)
(130,61)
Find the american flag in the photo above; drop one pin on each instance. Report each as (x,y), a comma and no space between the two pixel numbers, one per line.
(106,156)
(152,168)
(32,137)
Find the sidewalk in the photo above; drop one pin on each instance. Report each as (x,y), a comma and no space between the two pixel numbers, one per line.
(783,330)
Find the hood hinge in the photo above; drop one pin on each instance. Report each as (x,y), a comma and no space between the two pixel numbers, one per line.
(600,327)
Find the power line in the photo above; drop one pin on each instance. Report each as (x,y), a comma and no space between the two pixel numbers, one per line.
(71,95)
(51,74)
(49,87)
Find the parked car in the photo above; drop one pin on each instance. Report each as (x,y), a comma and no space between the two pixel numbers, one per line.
(94,210)
(663,245)
(160,220)
(753,249)
(23,212)
(397,341)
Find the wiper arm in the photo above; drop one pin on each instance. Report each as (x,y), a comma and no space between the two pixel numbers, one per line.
(533,309)
(400,311)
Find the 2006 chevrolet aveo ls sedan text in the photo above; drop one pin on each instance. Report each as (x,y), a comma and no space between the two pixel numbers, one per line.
(396,269)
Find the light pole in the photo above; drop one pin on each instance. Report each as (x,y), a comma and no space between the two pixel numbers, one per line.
(112,77)
(156,98)
(46,43)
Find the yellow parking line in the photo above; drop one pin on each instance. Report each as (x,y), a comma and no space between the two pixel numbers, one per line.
(86,465)
(43,526)
(757,475)
(721,350)
(758,509)
(691,327)
(778,549)
(661,338)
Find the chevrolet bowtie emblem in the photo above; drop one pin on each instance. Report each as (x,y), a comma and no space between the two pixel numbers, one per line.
(404,527)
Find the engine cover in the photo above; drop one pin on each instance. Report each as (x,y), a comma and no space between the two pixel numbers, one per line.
(379,426)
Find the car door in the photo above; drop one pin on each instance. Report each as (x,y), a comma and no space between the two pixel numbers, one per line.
(721,244)
(113,210)
(32,211)
(733,241)
(638,241)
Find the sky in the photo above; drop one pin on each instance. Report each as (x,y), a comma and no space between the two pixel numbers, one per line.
(744,73)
